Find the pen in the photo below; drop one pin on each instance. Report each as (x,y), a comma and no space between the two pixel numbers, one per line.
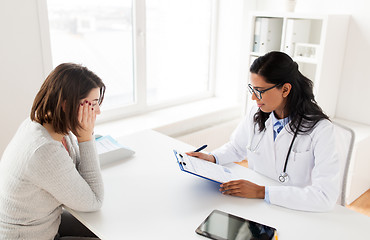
(201,148)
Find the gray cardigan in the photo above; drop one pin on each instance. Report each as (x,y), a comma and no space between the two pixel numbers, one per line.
(38,176)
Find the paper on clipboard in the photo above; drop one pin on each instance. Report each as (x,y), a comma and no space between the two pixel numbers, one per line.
(204,169)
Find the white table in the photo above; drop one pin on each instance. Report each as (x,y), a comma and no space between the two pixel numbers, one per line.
(148,197)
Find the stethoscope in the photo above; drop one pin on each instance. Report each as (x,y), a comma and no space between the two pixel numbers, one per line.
(283,177)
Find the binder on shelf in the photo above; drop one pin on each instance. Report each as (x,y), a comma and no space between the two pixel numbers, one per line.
(297,31)
(109,150)
(257,30)
(270,34)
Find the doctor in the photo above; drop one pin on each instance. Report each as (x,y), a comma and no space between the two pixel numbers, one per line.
(287,138)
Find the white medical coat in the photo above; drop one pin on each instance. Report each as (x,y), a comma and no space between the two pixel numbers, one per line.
(313,165)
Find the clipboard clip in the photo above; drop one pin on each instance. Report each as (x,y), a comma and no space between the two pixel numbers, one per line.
(183,163)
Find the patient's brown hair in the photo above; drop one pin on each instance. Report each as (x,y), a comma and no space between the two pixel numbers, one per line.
(59,97)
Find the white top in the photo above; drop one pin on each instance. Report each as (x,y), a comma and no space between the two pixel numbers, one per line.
(38,176)
(313,165)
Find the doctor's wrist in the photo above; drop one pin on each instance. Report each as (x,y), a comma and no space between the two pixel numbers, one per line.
(212,158)
(261,192)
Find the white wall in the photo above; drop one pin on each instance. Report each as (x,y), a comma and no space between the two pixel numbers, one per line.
(353,100)
(21,68)
(354,95)
(230,64)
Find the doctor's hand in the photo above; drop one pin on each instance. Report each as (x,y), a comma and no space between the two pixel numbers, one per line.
(207,157)
(243,188)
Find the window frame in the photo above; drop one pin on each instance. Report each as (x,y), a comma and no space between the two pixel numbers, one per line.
(139,105)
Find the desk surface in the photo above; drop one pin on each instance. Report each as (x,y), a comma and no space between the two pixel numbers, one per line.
(148,197)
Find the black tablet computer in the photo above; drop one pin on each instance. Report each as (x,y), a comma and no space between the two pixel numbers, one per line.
(224,226)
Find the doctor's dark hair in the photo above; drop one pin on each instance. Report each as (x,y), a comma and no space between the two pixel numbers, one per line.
(279,68)
(58,99)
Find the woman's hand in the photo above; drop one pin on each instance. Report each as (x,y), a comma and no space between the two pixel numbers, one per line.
(203,156)
(86,118)
(243,188)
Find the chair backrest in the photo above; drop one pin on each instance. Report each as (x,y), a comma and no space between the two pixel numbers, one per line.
(345,138)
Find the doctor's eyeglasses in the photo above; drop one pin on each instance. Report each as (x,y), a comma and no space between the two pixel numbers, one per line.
(258,93)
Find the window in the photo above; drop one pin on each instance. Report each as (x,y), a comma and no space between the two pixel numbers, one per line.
(97,34)
(178,48)
(174,57)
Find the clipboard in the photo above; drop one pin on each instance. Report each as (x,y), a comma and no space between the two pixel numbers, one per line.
(204,169)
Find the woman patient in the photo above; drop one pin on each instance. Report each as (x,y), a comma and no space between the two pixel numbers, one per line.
(52,160)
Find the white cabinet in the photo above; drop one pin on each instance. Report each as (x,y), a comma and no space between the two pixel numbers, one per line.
(315,41)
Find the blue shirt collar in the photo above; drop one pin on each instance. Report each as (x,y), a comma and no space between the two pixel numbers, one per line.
(276,127)
(283,121)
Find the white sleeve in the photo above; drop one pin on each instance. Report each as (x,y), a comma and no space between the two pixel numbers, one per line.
(51,169)
(322,194)
(236,149)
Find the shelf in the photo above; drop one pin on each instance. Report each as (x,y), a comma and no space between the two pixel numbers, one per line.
(297,59)
(305,60)
(257,54)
